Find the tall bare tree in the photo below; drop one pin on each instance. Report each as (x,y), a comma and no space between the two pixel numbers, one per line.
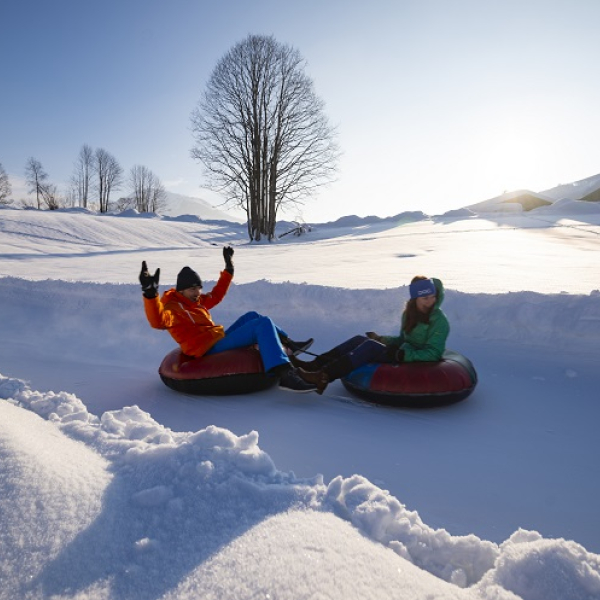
(82,179)
(36,177)
(109,176)
(148,192)
(5,187)
(261,132)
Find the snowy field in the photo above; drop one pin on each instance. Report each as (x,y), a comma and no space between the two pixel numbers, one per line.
(124,489)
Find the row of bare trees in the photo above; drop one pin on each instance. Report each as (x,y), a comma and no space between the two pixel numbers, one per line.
(96,176)
(99,171)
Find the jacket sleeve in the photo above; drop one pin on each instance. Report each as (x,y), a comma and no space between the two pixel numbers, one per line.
(157,316)
(435,344)
(392,340)
(218,292)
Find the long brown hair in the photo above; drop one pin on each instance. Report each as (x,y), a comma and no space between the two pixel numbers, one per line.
(412,315)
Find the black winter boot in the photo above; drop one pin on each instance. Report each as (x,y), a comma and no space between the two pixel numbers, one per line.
(296,347)
(334,370)
(317,363)
(289,379)
(339,368)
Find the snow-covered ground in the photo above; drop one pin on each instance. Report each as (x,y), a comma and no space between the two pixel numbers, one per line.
(124,489)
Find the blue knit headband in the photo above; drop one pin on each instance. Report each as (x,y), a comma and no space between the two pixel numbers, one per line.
(423,287)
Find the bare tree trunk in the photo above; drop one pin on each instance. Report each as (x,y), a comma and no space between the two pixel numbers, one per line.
(82,176)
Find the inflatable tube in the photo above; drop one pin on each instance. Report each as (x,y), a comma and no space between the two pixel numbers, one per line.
(238,371)
(415,384)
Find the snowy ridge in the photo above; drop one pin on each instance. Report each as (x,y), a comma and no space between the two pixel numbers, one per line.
(177,205)
(528,318)
(575,190)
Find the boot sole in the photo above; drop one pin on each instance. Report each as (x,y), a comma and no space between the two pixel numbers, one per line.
(303,348)
(287,389)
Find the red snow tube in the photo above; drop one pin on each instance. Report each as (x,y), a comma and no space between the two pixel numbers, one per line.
(415,384)
(238,371)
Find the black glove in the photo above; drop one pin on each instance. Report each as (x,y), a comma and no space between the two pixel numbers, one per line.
(149,282)
(227,254)
(394,354)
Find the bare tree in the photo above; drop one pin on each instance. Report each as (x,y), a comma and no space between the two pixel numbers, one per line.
(36,178)
(148,192)
(5,187)
(82,178)
(261,132)
(158,198)
(50,196)
(109,176)
(122,203)
(71,196)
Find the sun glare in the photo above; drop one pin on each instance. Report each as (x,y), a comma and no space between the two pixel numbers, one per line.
(512,160)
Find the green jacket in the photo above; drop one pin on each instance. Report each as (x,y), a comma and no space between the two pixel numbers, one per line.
(427,341)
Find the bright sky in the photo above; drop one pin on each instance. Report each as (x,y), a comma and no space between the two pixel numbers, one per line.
(438,104)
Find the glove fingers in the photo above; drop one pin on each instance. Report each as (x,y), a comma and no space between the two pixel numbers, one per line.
(156,276)
(144,267)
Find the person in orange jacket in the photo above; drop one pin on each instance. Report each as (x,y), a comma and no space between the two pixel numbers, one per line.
(184,312)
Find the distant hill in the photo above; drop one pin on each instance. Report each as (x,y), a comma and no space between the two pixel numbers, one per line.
(592,197)
(355,221)
(512,201)
(178,205)
(585,189)
(529,201)
(577,190)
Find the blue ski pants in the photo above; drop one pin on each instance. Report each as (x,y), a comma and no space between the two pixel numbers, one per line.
(253,328)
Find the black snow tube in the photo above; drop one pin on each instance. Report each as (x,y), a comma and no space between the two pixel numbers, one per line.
(238,371)
(415,384)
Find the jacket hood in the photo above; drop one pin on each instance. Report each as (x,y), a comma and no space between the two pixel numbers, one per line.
(439,286)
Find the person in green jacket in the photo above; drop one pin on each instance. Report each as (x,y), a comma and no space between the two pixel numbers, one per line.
(422,338)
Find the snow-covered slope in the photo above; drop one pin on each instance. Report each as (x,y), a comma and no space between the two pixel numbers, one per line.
(516,201)
(575,190)
(178,204)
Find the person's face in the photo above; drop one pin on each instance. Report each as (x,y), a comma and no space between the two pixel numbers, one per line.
(425,303)
(192,293)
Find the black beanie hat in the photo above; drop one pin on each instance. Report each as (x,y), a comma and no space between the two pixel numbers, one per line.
(187,278)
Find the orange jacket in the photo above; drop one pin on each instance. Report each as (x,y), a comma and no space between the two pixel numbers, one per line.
(189,323)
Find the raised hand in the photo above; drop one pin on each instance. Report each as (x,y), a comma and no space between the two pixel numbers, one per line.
(228,255)
(149,282)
